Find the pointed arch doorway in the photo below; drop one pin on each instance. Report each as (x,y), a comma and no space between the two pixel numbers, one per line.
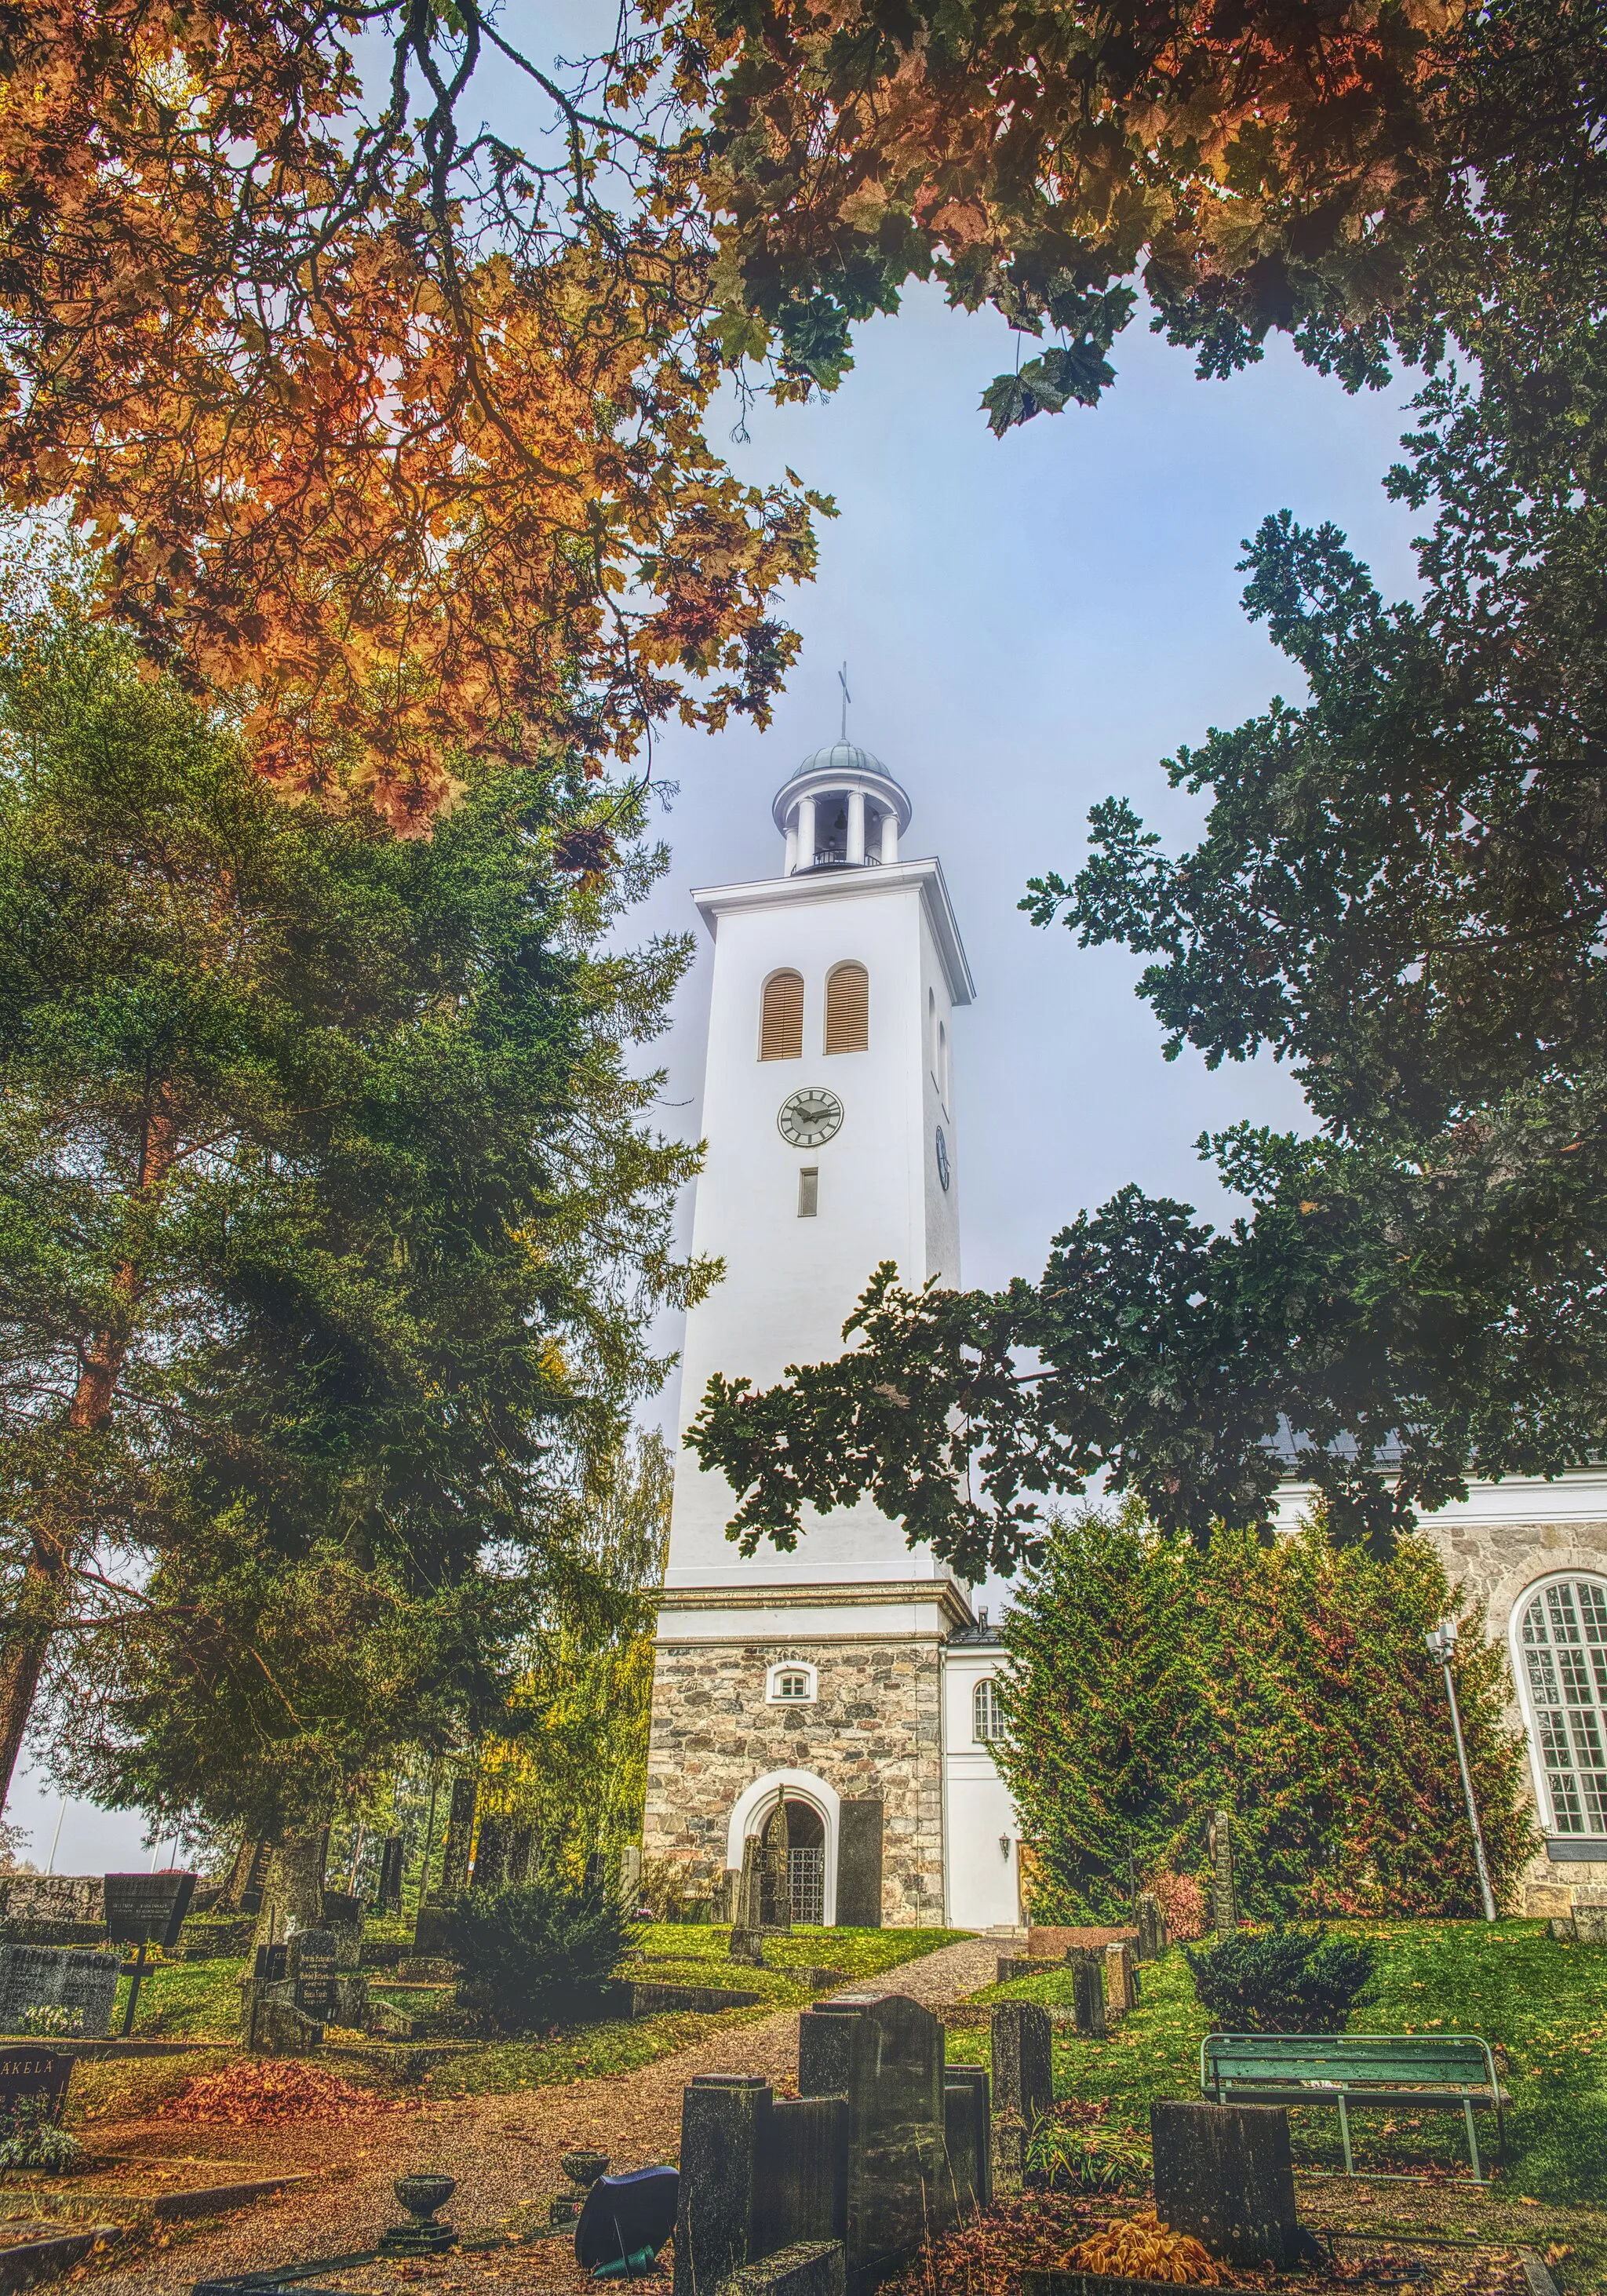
(795,1811)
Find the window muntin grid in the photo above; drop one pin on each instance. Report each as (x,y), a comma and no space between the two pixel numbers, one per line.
(1564,1647)
(987,1711)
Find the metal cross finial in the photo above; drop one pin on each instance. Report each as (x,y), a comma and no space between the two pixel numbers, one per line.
(842,680)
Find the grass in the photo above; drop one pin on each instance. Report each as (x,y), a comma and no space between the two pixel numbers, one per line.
(200,2000)
(1543,2003)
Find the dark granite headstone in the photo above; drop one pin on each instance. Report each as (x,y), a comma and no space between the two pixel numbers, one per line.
(147,1908)
(38,2076)
(387,1897)
(460,1834)
(719,2207)
(1224,2174)
(59,1977)
(521,1853)
(1088,1964)
(491,1854)
(967,2137)
(311,1966)
(859,1864)
(803,2192)
(897,2192)
(1023,2078)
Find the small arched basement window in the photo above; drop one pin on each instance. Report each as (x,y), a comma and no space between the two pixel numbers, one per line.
(847,1009)
(1564,1647)
(987,1711)
(781,1024)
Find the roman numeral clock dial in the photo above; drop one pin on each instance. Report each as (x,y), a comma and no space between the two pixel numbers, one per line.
(810,1118)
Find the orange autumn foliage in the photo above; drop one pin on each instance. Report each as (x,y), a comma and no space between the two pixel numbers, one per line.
(397,435)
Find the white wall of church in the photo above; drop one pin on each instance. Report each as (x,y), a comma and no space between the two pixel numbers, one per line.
(981,1833)
(791,1281)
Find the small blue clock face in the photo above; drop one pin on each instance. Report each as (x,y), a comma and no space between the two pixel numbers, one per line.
(942,1158)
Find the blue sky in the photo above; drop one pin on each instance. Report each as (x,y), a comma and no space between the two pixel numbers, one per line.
(1029,625)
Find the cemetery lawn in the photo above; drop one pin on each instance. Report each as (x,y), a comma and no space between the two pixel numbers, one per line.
(200,2001)
(1543,2003)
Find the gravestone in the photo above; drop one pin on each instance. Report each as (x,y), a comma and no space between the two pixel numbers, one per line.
(859,1825)
(746,1931)
(886,2057)
(1121,1980)
(311,1967)
(521,1853)
(775,1892)
(968,2138)
(1224,2175)
(1224,1902)
(1023,2080)
(460,1835)
(35,2077)
(1152,1928)
(387,1895)
(809,2195)
(147,1908)
(59,1977)
(491,1854)
(1087,1965)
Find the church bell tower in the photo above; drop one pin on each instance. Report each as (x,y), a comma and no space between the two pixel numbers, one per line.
(805,1690)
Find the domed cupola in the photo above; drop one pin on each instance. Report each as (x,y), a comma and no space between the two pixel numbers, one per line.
(841,809)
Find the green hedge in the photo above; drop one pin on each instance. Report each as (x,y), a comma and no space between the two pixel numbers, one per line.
(1153,1684)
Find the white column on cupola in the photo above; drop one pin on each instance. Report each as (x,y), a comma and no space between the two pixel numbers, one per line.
(855,853)
(792,841)
(890,836)
(805,832)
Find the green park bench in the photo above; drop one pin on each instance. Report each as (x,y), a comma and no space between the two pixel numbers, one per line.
(1423,2071)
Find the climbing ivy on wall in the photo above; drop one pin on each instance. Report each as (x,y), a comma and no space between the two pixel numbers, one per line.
(1151,1684)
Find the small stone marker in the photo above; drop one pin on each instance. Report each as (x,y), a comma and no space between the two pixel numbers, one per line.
(1088,1964)
(59,1977)
(1121,1980)
(1224,1902)
(1023,2080)
(1152,1927)
(1224,2174)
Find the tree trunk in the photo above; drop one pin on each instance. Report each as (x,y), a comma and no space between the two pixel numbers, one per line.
(59,1531)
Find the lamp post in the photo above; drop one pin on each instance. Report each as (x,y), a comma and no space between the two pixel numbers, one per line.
(1441,1641)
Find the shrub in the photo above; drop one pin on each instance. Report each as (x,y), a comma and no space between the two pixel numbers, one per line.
(29,2138)
(536,1952)
(1182,1902)
(1282,1980)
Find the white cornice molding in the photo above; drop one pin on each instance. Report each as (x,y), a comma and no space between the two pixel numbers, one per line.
(851,883)
(1578,1495)
(919,1594)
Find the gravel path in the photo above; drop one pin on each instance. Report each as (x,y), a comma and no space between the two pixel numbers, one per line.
(503,2150)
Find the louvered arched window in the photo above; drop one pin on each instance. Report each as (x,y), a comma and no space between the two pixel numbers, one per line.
(781,1026)
(847,1009)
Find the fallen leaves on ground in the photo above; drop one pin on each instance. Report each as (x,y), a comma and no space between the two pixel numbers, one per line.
(258,2091)
(1142,2248)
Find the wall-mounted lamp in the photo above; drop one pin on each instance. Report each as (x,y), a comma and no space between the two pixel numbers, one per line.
(1004,1846)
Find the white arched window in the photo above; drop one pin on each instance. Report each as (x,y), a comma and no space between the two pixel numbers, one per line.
(1563,1646)
(987,1711)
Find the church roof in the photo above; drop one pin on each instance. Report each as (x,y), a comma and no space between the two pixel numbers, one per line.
(844,758)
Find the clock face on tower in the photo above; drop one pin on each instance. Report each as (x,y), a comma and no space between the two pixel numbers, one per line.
(810,1117)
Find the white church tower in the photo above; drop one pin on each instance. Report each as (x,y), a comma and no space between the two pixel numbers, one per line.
(844,1691)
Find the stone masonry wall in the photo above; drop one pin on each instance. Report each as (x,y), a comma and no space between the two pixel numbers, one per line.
(1497,1563)
(873,1730)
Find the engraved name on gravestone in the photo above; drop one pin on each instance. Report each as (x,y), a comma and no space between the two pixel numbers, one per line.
(36,2077)
(57,1977)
